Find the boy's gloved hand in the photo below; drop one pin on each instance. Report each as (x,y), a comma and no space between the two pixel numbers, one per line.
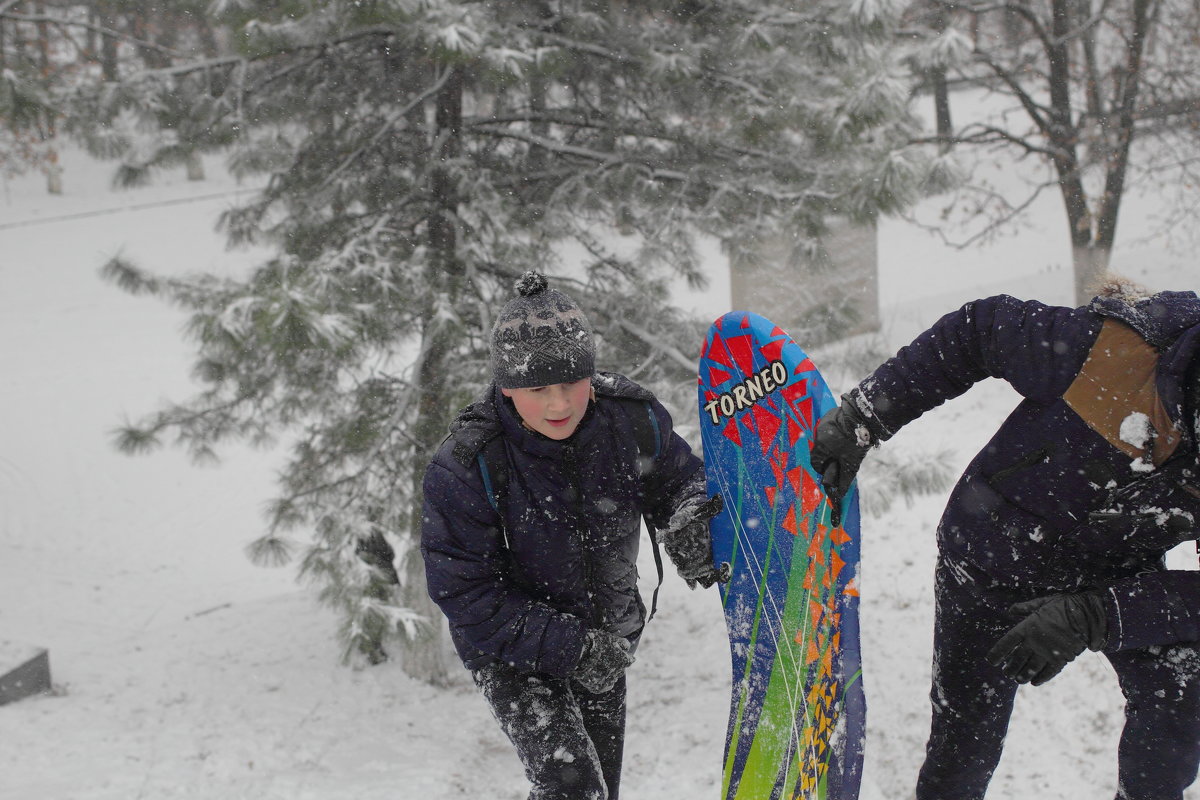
(605,658)
(689,545)
(841,441)
(1054,631)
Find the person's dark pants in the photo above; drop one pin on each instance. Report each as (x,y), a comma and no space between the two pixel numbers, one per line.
(569,740)
(972,700)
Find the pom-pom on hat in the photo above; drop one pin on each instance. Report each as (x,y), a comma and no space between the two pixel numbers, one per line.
(541,338)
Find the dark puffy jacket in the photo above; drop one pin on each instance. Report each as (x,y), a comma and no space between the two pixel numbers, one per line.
(1094,475)
(573,521)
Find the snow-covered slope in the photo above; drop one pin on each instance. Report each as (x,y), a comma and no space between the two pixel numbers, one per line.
(184,672)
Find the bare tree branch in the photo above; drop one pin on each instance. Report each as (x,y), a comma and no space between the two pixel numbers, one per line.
(59,22)
(656,343)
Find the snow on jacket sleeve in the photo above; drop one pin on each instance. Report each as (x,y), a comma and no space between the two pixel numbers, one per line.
(676,477)
(1037,348)
(1158,512)
(467,569)
(1156,608)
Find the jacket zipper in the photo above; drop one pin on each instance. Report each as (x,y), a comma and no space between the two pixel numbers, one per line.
(1028,460)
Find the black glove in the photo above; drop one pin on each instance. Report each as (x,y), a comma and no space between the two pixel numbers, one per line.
(689,545)
(1054,630)
(840,443)
(604,659)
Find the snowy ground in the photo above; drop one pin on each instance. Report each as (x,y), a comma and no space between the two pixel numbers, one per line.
(183,672)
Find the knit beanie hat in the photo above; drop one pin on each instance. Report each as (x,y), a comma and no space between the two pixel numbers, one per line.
(541,338)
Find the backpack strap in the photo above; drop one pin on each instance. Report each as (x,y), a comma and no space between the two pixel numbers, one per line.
(493,468)
(648,435)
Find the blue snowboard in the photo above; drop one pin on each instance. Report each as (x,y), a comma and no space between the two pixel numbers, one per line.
(797,711)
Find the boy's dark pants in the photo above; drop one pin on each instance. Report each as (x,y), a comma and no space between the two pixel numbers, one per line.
(972,700)
(570,741)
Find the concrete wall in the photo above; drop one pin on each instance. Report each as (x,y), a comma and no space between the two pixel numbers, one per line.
(817,294)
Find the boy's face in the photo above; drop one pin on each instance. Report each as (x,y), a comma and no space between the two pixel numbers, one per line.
(553,411)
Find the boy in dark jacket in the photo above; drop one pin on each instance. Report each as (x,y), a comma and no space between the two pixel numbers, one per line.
(1060,524)
(538,577)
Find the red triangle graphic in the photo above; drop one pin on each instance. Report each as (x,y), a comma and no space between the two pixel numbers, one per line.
(717,376)
(794,475)
(777,467)
(789,522)
(810,494)
(768,426)
(742,350)
(803,410)
(795,389)
(794,432)
(732,434)
(773,349)
(716,351)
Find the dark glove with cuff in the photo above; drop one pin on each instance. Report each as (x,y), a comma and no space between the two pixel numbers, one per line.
(840,443)
(689,545)
(1054,631)
(604,659)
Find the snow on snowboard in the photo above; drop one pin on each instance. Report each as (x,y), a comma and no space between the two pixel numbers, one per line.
(797,711)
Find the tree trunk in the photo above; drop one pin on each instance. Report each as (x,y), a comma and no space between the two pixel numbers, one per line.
(1062,132)
(1090,263)
(208,38)
(43,40)
(1126,105)
(941,91)
(109,53)
(1014,28)
(425,658)
(54,181)
(195,167)
(146,25)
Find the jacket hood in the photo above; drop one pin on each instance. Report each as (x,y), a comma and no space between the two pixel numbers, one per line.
(614,384)
(1159,318)
(474,426)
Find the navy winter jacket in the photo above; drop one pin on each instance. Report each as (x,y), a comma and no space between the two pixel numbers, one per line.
(1094,475)
(525,589)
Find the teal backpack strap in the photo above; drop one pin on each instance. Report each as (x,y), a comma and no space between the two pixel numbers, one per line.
(493,468)
(646,430)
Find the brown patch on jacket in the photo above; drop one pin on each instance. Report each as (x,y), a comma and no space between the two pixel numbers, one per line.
(1118,379)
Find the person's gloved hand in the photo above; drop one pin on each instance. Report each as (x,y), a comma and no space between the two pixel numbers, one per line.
(689,545)
(1054,631)
(605,658)
(840,443)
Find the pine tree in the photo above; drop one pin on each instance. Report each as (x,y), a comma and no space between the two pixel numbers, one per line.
(418,156)
(47,50)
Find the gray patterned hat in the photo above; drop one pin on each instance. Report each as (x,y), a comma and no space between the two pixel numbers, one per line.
(541,338)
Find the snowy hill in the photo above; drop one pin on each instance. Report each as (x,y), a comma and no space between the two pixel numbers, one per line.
(184,672)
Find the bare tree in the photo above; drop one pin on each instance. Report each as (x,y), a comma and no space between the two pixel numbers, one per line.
(1083,80)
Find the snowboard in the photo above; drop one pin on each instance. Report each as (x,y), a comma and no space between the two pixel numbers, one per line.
(797,710)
